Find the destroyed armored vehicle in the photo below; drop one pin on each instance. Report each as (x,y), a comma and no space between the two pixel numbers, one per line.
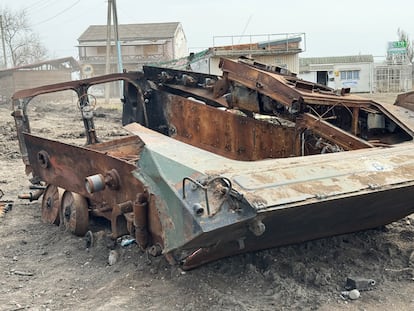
(219,165)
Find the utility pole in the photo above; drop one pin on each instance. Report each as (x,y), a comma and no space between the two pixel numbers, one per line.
(112,11)
(2,41)
(118,45)
(108,50)
(117,42)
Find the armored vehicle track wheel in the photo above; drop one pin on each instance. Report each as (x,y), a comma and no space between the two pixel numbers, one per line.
(51,204)
(75,214)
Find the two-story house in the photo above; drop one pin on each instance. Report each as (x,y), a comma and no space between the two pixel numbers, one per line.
(140,44)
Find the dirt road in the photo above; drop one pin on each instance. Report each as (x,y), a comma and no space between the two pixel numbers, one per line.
(42,267)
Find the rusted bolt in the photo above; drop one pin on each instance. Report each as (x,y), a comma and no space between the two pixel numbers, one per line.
(155,250)
(112,179)
(198,209)
(259,85)
(257,227)
(193,187)
(43,159)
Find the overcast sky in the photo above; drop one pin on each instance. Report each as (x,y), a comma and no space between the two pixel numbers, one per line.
(332,28)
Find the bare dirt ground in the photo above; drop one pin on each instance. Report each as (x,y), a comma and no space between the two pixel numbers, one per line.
(42,267)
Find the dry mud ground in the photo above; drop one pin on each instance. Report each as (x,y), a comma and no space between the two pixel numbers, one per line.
(42,267)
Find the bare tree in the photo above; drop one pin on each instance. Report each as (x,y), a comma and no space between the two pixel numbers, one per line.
(403,36)
(22,44)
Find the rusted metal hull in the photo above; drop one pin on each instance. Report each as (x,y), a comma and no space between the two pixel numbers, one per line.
(216,166)
(309,222)
(296,200)
(335,199)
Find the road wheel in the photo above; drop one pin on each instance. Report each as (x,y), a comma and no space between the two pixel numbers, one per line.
(51,203)
(75,214)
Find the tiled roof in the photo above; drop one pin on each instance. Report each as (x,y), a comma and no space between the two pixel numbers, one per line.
(132,31)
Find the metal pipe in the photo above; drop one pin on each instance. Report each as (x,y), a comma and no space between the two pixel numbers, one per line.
(31,196)
(140,220)
(37,187)
(95,183)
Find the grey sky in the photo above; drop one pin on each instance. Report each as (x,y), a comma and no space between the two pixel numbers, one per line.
(332,28)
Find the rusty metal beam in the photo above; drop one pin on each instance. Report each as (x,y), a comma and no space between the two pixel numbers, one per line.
(405,100)
(198,93)
(332,133)
(355,121)
(74,85)
(267,83)
(349,101)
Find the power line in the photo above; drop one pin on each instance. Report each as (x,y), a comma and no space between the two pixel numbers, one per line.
(80,15)
(36,4)
(60,13)
(41,6)
(245,27)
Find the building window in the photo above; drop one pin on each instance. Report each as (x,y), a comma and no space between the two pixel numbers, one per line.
(150,49)
(350,75)
(101,50)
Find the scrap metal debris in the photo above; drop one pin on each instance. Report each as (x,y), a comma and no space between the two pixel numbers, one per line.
(220,165)
(5,205)
(359,283)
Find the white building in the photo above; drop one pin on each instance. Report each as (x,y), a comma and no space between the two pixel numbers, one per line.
(354,72)
(273,49)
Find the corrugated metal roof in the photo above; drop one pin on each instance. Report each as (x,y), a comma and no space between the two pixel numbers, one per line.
(67,63)
(132,31)
(305,62)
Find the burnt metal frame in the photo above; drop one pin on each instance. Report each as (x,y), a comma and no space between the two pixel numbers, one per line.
(152,201)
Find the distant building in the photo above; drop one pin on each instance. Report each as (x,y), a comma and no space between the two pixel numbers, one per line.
(140,44)
(355,72)
(274,49)
(38,74)
(396,73)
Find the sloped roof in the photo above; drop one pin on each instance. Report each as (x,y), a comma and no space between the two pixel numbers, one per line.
(132,31)
(306,61)
(65,63)
(325,62)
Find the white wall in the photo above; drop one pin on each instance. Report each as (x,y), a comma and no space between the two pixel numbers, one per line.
(361,85)
(180,43)
(201,65)
(210,64)
(308,76)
